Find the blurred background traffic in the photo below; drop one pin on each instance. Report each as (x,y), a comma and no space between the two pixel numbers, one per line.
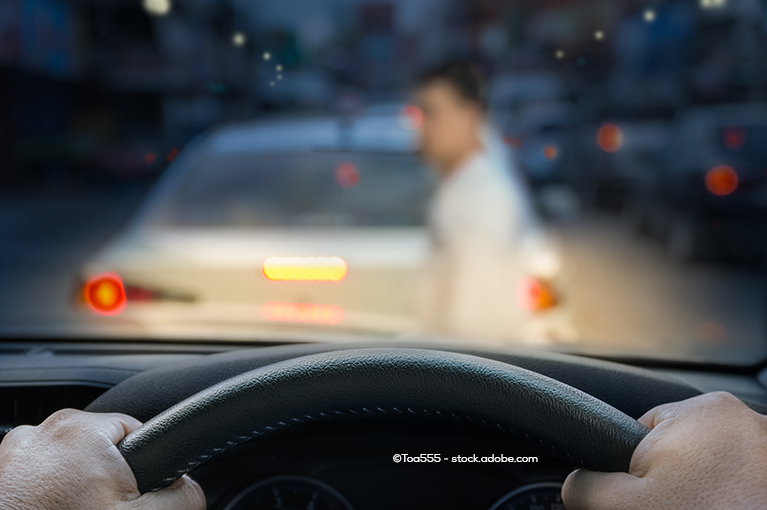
(639,129)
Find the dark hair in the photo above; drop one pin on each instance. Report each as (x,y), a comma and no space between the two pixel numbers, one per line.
(462,75)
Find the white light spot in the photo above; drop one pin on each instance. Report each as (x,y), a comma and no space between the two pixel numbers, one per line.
(238,39)
(599,35)
(649,16)
(279,76)
(157,7)
(560,54)
(278,68)
(267,55)
(271,84)
(712,4)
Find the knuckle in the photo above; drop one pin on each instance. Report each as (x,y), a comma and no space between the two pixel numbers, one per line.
(63,415)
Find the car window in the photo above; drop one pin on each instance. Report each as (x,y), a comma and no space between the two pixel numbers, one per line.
(301,189)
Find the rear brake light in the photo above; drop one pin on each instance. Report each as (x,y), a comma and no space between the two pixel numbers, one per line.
(105,294)
(721,180)
(305,269)
(534,295)
(302,312)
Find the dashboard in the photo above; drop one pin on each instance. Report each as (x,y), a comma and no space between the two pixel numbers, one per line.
(348,465)
(372,466)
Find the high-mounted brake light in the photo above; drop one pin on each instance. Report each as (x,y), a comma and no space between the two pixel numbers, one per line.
(105,294)
(305,269)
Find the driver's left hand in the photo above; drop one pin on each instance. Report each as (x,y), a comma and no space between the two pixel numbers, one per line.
(70,462)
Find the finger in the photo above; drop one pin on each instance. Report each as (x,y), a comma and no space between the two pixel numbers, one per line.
(657,414)
(113,425)
(183,494)
(593,490)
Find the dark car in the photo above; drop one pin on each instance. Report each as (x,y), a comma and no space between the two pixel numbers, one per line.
(707,196)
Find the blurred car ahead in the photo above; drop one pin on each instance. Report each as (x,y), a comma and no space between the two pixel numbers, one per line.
(292,223)
(708,197)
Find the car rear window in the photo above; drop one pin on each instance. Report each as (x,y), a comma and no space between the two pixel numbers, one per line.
(301,189)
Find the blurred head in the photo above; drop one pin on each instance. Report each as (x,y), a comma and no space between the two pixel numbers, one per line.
(451,98)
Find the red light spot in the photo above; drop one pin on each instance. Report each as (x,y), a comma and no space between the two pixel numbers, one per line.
(347,175)
(534,295)
(411,117)
(105,294)
(610,138)
(302,312)
(516,143)
(721,180)
(172,154)
(150,158)
(734,137)
(550,152)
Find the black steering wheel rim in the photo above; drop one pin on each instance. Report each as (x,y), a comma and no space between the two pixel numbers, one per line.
(401,382)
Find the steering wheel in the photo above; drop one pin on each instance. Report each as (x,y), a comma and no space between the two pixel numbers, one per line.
(380,382)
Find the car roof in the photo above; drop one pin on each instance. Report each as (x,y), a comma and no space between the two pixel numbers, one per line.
(368,132)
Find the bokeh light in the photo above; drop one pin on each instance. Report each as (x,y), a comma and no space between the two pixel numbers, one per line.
(649,16)
(599,35)
(267,55)
(150,158)
(734,137)
(534,294)
(347,175)
(721,180)
(157,7)
(713,4)
(410,117)
(238,39)
(560,54)
(550,151)
(610,138)
(105,294)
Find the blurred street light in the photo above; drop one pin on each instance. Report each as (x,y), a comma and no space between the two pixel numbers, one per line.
(599,35)
(278,68)
(267,55)
(238,39)
(157,7)
(649,16)
(560,54)
(713,4)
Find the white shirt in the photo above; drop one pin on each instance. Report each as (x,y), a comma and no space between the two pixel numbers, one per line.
(479,222)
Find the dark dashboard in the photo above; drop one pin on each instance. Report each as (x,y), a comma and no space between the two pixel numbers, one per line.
(348,464)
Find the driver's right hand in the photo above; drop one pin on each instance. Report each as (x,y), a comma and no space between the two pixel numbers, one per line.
(709,451)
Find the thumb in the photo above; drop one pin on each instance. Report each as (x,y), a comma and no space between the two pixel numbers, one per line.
(594,490)
(183,494)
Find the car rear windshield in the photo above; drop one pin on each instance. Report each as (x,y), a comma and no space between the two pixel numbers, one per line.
(302,189)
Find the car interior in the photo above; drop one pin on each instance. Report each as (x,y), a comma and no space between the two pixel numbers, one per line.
(315,421)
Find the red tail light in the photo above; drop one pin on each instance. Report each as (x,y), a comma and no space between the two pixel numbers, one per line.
(534,295)
(105,294)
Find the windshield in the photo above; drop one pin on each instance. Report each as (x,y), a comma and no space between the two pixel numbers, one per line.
(584,176)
